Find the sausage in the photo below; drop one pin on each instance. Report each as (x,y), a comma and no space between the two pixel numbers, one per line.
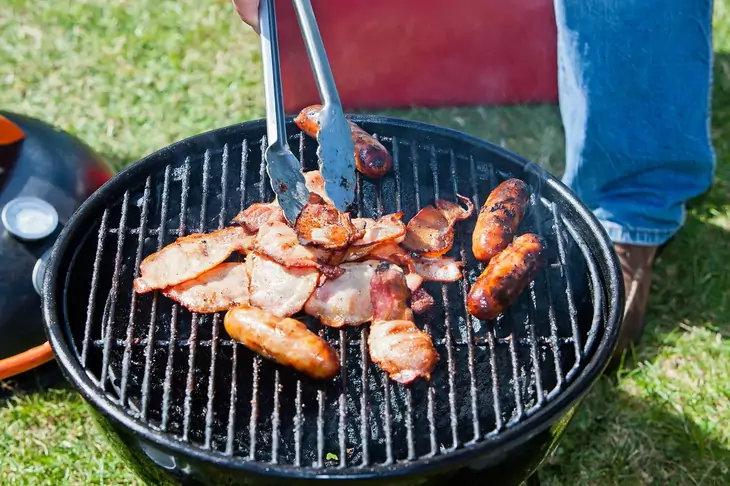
(499,218)
(506,276)
(283,340)
(371,157)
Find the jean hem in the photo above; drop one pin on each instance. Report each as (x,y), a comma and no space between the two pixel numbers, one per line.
(637,236)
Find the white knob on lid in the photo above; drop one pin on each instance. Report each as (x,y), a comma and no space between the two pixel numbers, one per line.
(29,218)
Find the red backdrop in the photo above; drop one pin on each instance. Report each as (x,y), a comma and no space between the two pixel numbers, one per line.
(399,53)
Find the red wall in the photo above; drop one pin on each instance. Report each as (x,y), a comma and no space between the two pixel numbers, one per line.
(399,53)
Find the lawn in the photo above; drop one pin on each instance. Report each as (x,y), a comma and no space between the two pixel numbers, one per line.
(130,77)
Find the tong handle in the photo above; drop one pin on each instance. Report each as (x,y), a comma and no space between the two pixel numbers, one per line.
(275,121)
(316,53)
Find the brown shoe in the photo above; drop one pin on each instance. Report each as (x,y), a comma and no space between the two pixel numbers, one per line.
(636,264)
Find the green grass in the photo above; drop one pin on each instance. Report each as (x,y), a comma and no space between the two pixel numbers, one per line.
(129,77)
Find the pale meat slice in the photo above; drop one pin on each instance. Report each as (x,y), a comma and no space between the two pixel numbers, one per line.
(277,289)
(431,231)
(257,214)
(190,256)
(393,253)
(388,228)
(345,300)
(324,226)
(279,242)
(315,183)
(396,345)
(441,269)
(216,290)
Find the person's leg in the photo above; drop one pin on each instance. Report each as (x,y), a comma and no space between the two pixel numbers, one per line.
(634,82)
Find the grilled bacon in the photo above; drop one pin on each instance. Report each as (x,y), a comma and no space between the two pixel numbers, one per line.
(216,290)
(188,257)
(431,231)
(396,345)
(345,300)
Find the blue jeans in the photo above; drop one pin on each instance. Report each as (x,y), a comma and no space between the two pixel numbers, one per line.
(634,80)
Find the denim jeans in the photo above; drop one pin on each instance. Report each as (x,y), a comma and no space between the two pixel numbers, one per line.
(634,90)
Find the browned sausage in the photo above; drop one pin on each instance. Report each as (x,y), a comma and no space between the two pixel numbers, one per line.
(284,340)
(506,276)
(499,218)
(371,157)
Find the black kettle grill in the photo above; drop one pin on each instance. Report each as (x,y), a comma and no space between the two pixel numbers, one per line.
(45,175)
(186,404)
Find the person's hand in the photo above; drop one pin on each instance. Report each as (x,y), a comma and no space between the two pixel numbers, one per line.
(248,10)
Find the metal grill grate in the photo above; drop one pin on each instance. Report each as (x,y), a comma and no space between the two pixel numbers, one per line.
(179,372)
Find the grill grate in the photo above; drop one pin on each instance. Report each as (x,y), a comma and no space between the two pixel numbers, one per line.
(179,372)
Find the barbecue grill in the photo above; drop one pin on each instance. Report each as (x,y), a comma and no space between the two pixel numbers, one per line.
(185,403)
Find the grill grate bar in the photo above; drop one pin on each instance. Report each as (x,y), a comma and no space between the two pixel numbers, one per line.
(320,427)
(431,391)
(479,342)
(100,239)
(133,304)
(253,421)
(211,382)
(167,385)
(195,323)
(107,326)
(216,317)
(231,432)
(388,419)
(520,408)
(572,311)
(364,365)
(275,421)
(153,311)
(190,380)
(364,399)
(343,399)
(298,421)
(233,395)
(467,317)
(533,349)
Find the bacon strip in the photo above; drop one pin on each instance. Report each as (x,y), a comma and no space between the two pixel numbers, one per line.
(188,257)
(216,290)
(431,231)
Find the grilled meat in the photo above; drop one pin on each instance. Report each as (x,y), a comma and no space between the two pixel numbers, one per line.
(431,231)
(499,218)
(277,289)
(371,157)
(345,300)
(396,345)
(283,340)
(188,257)
(506,276)
(216,290)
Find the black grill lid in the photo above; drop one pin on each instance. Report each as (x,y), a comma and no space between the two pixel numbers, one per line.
(177,378)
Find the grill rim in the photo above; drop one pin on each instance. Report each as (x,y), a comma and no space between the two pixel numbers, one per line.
(60,339)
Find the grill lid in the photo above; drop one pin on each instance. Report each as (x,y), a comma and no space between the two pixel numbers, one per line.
(177,378)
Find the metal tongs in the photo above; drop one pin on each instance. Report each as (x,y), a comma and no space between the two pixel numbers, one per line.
(336,148)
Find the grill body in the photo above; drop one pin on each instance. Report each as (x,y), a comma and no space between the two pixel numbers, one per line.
(185,403)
